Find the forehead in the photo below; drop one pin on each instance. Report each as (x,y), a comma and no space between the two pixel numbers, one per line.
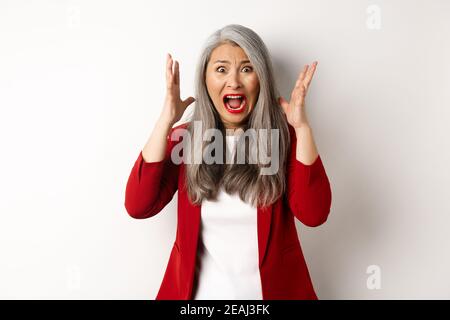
(227,51)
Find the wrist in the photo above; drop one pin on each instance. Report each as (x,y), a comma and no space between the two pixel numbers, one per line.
(165,121)
(303,129)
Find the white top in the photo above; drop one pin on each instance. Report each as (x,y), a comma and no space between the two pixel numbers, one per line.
(228,261)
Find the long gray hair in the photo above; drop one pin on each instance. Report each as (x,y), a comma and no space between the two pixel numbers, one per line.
(204,180)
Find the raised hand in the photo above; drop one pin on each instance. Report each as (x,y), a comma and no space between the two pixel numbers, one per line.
(295,108)
(174,107)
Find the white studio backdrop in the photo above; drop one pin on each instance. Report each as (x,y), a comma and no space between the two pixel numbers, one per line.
(83,82)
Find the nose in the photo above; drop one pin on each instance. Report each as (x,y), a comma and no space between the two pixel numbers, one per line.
(234,81)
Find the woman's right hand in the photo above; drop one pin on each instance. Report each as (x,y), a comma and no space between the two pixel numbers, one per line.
(174,107)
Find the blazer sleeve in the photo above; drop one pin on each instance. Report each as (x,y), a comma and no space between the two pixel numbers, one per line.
(308,189)
(151,185)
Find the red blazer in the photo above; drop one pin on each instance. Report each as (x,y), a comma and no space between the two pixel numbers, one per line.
(283,270)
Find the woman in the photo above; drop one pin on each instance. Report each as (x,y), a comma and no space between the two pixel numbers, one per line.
(236,236)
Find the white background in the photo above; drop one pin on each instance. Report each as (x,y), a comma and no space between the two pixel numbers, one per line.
(82,83)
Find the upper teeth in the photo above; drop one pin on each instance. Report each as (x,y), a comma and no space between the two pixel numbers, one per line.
(234,97)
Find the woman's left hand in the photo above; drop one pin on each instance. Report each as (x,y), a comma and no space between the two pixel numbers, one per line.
(295,109)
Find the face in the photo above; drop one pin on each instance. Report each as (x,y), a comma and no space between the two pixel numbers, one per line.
(232,84)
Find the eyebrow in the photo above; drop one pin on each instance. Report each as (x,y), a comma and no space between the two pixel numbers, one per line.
(226,61)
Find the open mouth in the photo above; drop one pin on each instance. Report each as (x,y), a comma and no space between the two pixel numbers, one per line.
(235,103)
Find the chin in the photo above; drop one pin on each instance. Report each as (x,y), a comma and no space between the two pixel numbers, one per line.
(237,122)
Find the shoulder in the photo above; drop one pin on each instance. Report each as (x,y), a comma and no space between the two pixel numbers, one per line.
(179,127)
(184,125)
(175,133)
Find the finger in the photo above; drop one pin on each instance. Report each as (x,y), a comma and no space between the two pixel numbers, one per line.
(177,73)
(301,76)
(310,73)
(169,74)
(299,85)
(169,63)
(304,73)
(298,94)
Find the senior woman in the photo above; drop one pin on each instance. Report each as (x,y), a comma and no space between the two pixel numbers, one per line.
(236,236)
